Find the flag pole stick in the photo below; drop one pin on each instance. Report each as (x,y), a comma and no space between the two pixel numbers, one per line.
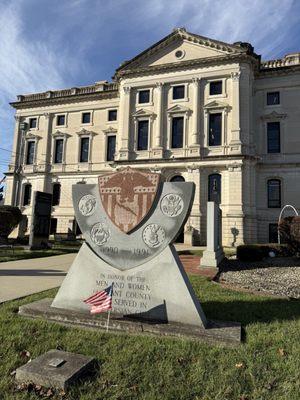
(107,323)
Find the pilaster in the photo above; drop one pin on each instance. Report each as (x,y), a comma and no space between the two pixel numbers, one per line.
(124,123)
(194,146)
(157,150)
(235,139)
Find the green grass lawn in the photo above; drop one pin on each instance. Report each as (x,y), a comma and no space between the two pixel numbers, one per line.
(266,366)
(19,253)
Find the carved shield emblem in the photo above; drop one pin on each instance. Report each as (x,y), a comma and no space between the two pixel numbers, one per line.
(127,196)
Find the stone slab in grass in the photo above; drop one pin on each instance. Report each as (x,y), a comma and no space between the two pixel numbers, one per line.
(228,333)
(55,369)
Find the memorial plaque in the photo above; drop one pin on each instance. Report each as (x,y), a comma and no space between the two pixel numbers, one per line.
(40,223)
(129,221)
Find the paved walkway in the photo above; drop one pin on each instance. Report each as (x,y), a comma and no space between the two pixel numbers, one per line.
(24,277)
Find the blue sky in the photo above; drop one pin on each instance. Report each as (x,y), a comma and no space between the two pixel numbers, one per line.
(53,44)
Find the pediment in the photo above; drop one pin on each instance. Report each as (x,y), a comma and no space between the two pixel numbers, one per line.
(85,132)
(31,135)
(59,133)
(273,116)
(110,129)
(143,113)
(191,46)
(178,109)
(215,104)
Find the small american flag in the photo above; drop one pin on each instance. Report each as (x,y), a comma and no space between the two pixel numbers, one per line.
(101,301)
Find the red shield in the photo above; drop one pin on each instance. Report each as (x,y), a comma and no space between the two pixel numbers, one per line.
(127,196)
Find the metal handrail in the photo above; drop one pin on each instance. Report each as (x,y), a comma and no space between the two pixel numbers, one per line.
(279,219)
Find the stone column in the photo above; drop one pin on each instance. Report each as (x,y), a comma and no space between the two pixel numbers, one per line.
(194,146)
(213,254)
(159,105)
(235,120)
(195,118)
(124,124)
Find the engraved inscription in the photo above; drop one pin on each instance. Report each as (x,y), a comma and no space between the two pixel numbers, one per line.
(153,235)
(87,205)
(172,205)
(100,233)
(131,294)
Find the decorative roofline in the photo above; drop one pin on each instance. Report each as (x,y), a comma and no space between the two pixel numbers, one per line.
(288,60)
(103,89)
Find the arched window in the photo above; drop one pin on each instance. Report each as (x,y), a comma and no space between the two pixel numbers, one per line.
(177,178)
(274,193)
(27,195)
(56,194)
(214,188)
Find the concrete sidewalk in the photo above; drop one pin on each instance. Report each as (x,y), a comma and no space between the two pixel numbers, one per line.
(24,277)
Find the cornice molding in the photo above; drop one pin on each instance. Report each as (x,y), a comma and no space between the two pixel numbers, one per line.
(183,65)
(109,94)
(180,34)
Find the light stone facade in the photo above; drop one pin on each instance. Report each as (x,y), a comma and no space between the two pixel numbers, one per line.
(242,159)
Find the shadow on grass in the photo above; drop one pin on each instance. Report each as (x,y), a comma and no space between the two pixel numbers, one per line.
(248,312)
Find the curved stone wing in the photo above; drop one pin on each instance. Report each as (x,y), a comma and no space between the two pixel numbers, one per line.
(169,212)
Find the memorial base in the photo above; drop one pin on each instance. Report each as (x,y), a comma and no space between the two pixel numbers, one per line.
(227,333)
(211,258)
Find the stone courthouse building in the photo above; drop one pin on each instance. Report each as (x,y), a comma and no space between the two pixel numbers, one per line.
(192,108)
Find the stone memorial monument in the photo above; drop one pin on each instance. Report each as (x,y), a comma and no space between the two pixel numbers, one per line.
(213,254)
(40,224)
(129,221)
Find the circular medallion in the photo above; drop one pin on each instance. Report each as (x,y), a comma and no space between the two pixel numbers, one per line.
(100,233)
(179,54)
(87,205)
(153,235)
(172,205)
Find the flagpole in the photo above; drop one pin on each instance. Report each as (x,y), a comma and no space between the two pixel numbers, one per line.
(107,323)
(112,292)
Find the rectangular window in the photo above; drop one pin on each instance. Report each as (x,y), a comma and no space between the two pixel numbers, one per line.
(215,129)
(60,120)
(27,195)
(32,123)
(30,152)
(112,115)
(273,135)
(144,96)
(215,88)
(177,132)
(273,233)
(273,98)
(53,226)
(111,148)
(142,139)
(86,118)
(84,149)
(58,154)
(178,92)
(274,193)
